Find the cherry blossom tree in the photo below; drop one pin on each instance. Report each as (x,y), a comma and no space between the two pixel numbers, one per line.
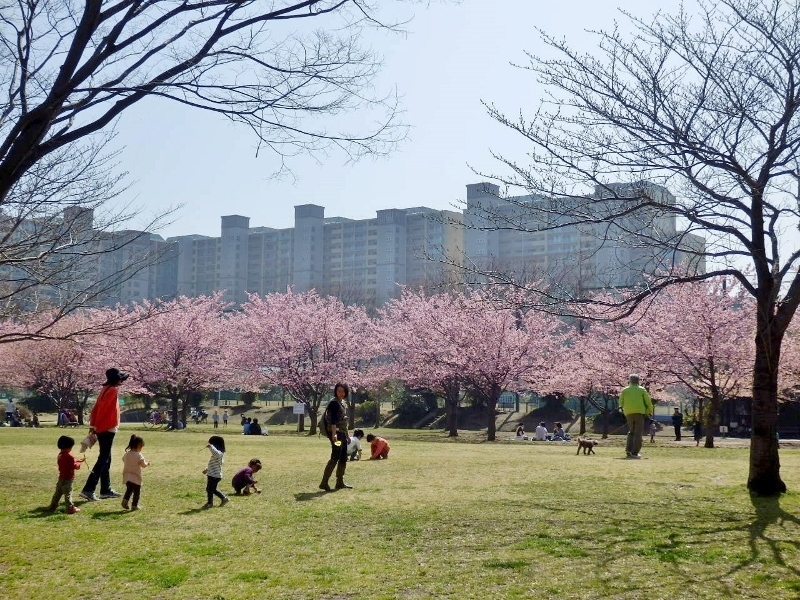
(699,336)
(178,349)
(416,331)
(67,366)
(304,343)
(595,368)
(447,342)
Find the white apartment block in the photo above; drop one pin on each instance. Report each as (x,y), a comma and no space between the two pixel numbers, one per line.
(368,261)
(361,261)
(531,239)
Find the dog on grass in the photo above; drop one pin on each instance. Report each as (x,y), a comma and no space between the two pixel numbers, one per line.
(587,445)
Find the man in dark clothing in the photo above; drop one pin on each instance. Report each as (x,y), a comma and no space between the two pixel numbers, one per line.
(677,423)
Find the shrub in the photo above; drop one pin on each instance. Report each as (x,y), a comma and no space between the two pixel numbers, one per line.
(368,412)
(411,409)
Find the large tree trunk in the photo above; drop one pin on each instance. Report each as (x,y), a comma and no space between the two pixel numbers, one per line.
(491,404)
(452,399)
(583,407)
(174,412)
(764,478)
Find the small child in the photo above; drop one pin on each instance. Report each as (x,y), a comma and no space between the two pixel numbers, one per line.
(354,447)
(214,470)
(67,464)
(378,446)
(652,431)
(133,462)
(243,482)
(697,430)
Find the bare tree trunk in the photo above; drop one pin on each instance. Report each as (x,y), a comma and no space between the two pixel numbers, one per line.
(491,404)
(764,478)
(582,406)
(174,412)
(452,399)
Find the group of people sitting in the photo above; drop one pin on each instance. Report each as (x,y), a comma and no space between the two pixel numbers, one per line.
(251,426)
(542,435)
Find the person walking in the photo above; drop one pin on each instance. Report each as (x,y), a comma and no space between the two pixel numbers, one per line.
(215,418)
(334,421)
(225,418)
(67,464)
(677,423)
(11,410)
(697,430)
(213,471)
(635,403)
(133,463)
(104,422)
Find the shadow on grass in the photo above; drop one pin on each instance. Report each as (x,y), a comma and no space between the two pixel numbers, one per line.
(108,515)
(306,496)
(194,511)
(41,512)
(769,512)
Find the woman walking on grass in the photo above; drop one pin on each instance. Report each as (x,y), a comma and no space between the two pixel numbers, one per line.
(104,422)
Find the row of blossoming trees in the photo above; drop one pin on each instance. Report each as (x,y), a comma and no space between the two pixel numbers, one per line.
(696,338)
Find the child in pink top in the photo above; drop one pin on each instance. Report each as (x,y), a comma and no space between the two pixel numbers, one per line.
(133,462)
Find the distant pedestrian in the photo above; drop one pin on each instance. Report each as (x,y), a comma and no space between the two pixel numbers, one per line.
(11,409)
(215,418)
(677,423)
(133,462)
(635,403)
(652,431)
(225,418)
(67,465)
(697,430)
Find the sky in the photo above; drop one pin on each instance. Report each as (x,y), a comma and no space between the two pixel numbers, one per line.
(455,55)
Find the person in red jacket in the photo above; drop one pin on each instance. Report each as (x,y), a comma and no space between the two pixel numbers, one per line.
(66,474)
(104,422)
(379,447)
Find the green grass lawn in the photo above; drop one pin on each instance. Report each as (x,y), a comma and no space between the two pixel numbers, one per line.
(439,519)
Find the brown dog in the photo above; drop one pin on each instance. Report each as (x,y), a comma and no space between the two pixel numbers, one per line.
(587,445)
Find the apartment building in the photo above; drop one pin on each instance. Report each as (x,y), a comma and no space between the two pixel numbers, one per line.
(364,261)
(367,261)
(532,238)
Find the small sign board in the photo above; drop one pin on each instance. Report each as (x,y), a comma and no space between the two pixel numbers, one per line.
(299,409)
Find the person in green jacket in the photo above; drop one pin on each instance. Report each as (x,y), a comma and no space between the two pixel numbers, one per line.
(635,403)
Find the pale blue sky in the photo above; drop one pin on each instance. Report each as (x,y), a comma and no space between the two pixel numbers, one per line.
(454,57)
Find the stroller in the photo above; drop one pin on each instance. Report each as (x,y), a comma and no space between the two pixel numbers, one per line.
(198,415)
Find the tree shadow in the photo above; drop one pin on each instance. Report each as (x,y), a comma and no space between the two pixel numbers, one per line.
(306,496)
(769,512)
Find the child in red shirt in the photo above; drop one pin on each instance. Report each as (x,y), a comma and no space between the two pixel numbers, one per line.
(379,447)
(67,464)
